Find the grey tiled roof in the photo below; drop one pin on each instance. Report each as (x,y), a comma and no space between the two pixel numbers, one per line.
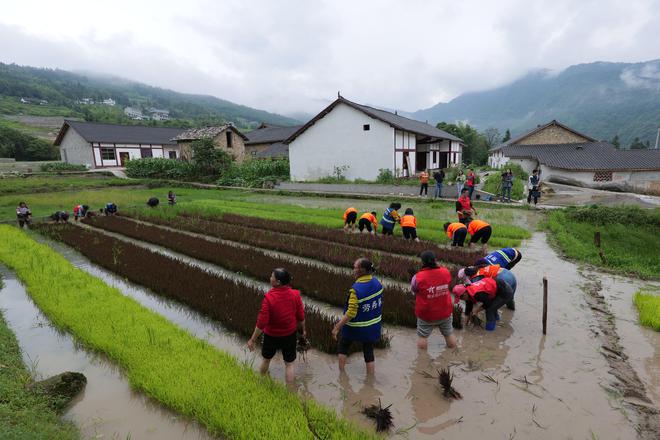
(278,149)
(120,134)
(396,121)
(269,134)
(205,132)
(586,156)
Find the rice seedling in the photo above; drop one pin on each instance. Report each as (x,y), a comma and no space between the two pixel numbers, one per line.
(446,378)
(317,282)
(185,373)
(382,416)
(648,304)
(234,304)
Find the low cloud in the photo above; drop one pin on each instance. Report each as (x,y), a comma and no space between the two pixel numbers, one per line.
(646,76)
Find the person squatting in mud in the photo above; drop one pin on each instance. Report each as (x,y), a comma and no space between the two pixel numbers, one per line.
(433,301)
(362,315)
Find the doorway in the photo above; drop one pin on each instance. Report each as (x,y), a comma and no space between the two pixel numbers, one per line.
(123,158)
(420,161)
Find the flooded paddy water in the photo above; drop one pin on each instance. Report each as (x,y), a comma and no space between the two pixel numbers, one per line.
(515,382)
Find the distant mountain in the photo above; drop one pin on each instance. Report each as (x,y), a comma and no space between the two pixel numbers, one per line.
(49,92)
(599,99)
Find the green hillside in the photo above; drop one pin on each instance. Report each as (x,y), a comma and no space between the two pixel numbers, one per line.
(58,93)
(600,99)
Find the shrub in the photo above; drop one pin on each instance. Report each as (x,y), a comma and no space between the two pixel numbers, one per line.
(385,176)
(254,173)
(61,166)
(160,168)
(210,161)
(605,215)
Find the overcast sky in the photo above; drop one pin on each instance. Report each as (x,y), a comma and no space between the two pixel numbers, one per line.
(287,55)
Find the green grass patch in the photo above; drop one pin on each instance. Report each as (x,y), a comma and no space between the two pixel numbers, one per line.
(24,415)
(648,304)
(36,184)
(629,237)
(162,360)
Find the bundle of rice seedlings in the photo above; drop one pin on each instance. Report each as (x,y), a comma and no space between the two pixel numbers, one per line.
(457,317)
(445,377)
(476,321)
(302,346)
(382,416)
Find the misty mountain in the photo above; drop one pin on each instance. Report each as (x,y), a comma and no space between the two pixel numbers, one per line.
(599,99)
(64,90)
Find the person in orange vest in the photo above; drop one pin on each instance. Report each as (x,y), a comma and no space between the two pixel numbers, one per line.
(433,302)
(479,230)
(423,183)
(366,220)
(457,232)
(409,225)
(488,294)
(464,207)
(350,216)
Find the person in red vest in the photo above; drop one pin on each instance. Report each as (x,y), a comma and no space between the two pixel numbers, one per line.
(366,221)
(488,294)
(350,216)
(479,230)
(471,181)
(464,207)
(433,302)
(282,313)
(409,225)
(457,232)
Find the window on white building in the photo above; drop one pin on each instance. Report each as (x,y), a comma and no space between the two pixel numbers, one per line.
(108,154)
(366,127)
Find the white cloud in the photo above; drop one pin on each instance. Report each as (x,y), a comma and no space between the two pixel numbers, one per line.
(294,55)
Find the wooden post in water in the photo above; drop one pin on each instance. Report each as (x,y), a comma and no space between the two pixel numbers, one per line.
(545,304)
(601,254)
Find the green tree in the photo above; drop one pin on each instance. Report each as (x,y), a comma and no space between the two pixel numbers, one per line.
(209,160)
(615,141)
(637,144)
(507,136)
(476,144)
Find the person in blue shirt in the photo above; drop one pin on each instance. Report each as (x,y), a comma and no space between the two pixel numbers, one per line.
(506,258)
(390,218)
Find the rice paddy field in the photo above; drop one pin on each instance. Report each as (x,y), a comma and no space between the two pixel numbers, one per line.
(167,297)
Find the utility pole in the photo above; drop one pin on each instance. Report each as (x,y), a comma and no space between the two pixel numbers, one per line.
(657,138)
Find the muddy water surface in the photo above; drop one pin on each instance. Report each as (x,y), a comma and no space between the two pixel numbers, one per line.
(515,382)
(107,408)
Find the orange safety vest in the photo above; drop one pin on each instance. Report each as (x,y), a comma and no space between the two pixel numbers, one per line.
(424,177)
(408,221)
(369,216)
(348,211)
(489,271)
(476,225)
(453,227)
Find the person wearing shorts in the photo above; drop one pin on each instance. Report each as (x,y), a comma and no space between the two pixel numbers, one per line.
(362,315)
(366,220)
(433,301)
(282,312)
(479,230)
(350,216)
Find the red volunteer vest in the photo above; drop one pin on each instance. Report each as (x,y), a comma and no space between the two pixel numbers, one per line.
(486,285)
(465,203)
(433,299)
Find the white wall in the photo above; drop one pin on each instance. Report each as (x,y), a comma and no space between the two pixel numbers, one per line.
(338,139)
(75,149)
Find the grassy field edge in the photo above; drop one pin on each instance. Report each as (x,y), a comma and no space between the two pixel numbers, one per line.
(648,305)
(157,356)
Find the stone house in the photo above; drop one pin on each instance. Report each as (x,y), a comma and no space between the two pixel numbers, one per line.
(563,155)
(225,137)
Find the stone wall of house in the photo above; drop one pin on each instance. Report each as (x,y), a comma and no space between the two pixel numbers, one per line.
(237,150)
(552,135)
(252,150)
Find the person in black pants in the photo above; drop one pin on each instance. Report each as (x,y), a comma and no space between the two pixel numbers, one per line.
(534,182)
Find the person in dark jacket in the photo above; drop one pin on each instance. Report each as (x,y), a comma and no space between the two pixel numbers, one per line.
(439,177)
(110,209)
(362,315)
(59,217)
(282,314)
(153,202)
(534,187)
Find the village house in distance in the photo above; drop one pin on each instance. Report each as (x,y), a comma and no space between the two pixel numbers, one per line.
(98,145)
(365,140)
(563,155)
(225,137)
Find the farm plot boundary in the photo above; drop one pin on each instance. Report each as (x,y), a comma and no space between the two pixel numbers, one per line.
(316,282)
(164,361)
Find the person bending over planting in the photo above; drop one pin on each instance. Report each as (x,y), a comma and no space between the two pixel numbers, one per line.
(362,315)
(475,273)
(409,225)
(350,216)
(390,218)
(457,232)
(433,302)
(488,294)
(479,230)
(366,220)
(506,258)
(281,314)
(59,217)
(464,207)
(110,209)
